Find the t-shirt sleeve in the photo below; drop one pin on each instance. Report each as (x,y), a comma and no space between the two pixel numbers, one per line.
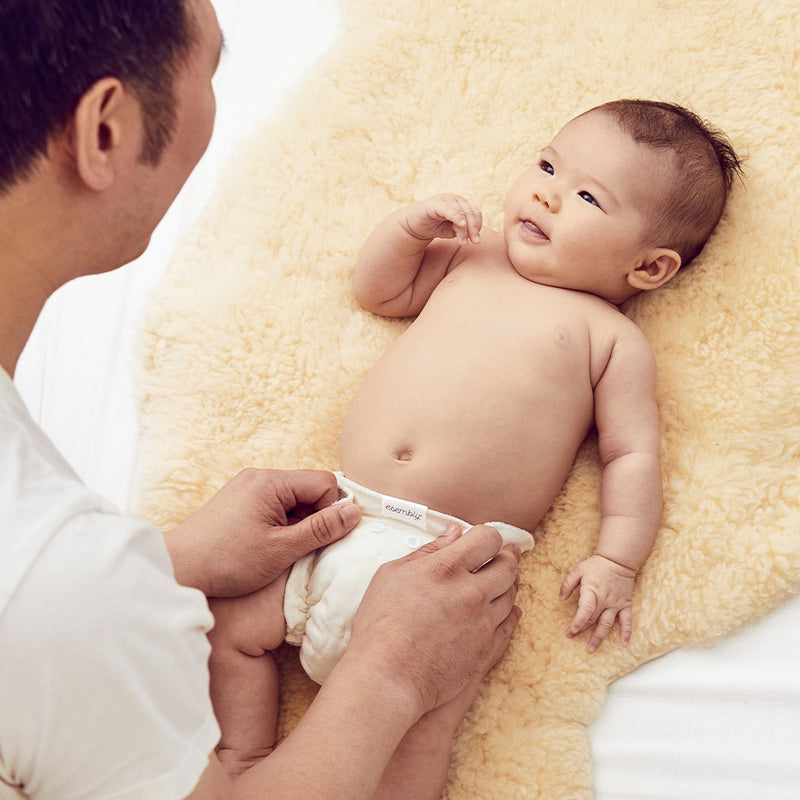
(104,669)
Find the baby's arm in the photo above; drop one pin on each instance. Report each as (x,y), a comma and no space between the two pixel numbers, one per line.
(626,415)
(407,255)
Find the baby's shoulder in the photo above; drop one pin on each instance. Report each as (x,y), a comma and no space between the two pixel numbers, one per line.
(606,317)
(611,333)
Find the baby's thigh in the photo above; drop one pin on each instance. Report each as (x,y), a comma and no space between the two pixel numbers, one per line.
(253,624)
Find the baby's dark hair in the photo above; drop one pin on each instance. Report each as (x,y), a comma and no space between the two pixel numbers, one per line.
(706,165)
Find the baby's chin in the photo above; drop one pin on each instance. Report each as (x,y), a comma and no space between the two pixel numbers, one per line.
(543,279)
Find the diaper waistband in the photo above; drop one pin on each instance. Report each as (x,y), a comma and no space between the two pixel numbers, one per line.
(379,505)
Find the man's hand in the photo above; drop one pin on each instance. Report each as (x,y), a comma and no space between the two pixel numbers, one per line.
(606,591)
(430,625)
(255,527)
(436,620)
(445,216)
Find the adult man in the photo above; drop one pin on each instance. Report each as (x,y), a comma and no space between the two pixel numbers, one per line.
(105,108)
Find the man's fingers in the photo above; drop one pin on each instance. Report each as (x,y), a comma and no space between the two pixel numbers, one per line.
(470,550)
(479,545)
(503,604)
(500,577)
(308,487)
(504,632)
(479,551)
(314,531)
(324,527)
(451,534)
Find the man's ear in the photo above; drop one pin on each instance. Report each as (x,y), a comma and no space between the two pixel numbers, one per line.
(659,265)
(101,128)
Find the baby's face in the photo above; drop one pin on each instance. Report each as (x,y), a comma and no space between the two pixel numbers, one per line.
(578,218)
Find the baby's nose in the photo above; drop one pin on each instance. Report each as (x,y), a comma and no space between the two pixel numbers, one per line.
(549,199)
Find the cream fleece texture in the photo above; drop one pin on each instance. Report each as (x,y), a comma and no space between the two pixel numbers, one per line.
(253,344)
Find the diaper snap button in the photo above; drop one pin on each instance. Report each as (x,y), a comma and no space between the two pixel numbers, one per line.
(413,542)
(376,527)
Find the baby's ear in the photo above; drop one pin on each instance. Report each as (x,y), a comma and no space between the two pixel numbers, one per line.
(658,267)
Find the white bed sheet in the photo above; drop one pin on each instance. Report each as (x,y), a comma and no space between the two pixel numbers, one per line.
(698,724)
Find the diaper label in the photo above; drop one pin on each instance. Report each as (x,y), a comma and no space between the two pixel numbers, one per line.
(413,513)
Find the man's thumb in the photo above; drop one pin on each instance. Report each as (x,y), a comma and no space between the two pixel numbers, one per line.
(326,526)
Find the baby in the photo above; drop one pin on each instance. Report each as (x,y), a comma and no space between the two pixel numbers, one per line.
(477,411)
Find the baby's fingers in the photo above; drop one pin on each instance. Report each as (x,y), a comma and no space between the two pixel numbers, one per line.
(586,614)
(625,625)
(604,625)
(570,584)
(465,218)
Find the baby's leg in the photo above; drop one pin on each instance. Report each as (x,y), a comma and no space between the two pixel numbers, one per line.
(244,676)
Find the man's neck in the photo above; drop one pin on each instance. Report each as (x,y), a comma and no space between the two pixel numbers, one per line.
(29,269)
(21,302)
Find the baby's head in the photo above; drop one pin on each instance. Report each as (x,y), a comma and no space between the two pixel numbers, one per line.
(624,195)
(704,165)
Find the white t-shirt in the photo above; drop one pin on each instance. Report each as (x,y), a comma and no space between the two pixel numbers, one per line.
(103,656)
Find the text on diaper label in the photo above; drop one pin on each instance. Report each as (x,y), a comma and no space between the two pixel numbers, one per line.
(413,513)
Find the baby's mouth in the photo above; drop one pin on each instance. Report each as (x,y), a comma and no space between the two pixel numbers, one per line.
(533,230)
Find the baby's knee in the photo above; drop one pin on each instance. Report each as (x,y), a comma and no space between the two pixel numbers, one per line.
(253,624)
(237,762)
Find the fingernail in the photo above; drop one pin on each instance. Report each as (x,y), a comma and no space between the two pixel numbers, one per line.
(350,514)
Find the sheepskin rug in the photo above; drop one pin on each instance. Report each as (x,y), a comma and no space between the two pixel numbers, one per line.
(253,345)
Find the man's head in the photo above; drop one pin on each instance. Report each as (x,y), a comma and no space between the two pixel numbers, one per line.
(622,197)
(106,106)
(53,51)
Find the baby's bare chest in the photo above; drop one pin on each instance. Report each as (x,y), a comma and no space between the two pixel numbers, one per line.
(513,330)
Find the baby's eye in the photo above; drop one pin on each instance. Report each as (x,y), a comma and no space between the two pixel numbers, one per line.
(546,166)
(589,198)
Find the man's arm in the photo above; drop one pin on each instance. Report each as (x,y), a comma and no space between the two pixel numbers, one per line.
(408,253)
(339,749)
(428,625)
(629,440)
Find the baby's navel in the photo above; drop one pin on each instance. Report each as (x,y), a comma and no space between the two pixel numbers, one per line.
(403,455)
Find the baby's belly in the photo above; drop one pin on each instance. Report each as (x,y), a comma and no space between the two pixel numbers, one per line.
(494,448)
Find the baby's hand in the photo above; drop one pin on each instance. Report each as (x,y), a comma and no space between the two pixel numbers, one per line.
(606,590)
(445,216)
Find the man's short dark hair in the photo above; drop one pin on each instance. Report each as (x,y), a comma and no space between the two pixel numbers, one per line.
(53,51)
